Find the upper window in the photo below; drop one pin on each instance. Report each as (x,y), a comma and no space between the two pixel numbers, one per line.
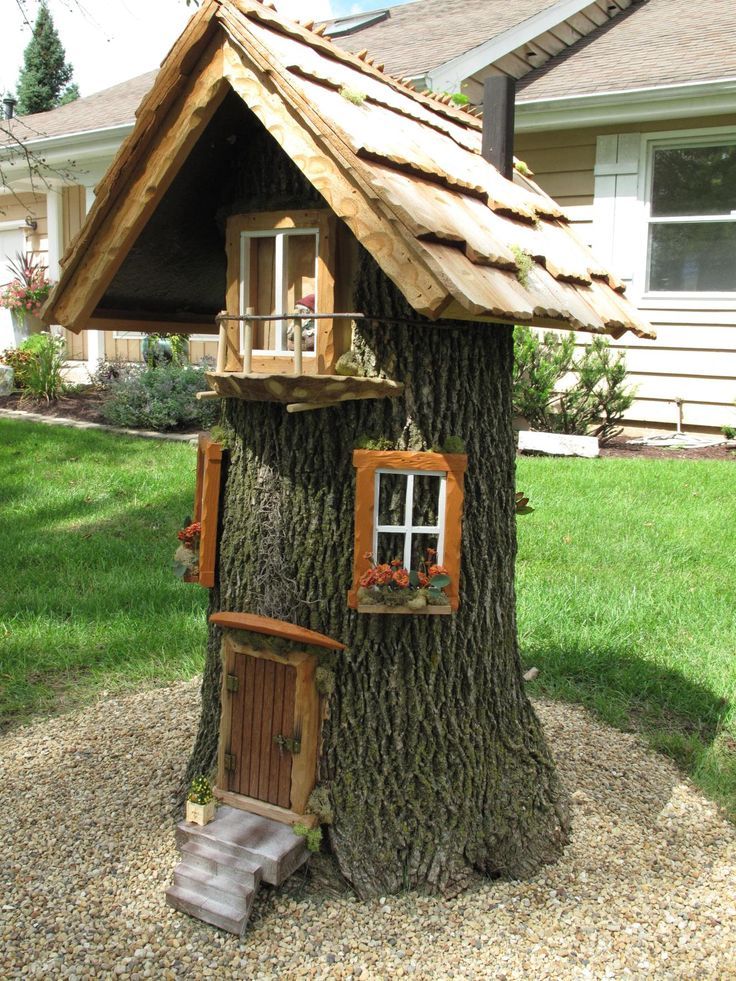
(278,276)
(281,266)
(692,219)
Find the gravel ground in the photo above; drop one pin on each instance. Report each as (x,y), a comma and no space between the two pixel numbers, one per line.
(646,889)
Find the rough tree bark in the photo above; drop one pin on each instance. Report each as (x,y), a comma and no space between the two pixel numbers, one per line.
(435,761)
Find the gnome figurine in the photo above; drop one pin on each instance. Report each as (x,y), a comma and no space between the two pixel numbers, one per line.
(303,306)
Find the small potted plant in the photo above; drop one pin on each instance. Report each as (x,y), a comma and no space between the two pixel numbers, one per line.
(391,586)
(200,801)
(186,557)
(24,295)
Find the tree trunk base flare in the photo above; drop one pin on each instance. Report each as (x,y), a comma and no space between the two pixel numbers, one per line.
(434,761)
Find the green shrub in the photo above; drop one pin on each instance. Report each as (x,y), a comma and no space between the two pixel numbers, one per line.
(18,360)
(43,373)
(593,404)
(161,398)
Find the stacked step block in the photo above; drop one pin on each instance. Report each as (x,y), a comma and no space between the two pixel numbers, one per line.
(224,862)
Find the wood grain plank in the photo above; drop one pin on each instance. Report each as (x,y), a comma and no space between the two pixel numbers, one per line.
(287,728)
(255,730)
(278,711)
(266,737)
(243,763)
(237,703)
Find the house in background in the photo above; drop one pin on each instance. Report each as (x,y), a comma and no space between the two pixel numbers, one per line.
(624,109)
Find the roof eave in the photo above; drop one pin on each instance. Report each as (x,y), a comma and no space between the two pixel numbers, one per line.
(645,104)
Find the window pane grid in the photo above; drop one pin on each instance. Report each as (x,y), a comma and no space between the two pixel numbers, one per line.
(406,528)
(691,239)
(280,267)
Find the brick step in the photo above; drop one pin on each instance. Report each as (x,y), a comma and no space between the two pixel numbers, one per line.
(230,916)
(209,886)
(217,862)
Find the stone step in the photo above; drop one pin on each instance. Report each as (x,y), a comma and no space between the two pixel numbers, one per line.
(230,916)
(209,886)
(212,859)
(271,845)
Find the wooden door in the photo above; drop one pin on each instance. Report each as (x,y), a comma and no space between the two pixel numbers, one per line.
(262,729)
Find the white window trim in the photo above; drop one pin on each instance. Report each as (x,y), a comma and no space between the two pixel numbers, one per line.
(280,234)
(407,528)
(685,300)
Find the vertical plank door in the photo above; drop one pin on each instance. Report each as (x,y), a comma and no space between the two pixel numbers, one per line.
(262,710)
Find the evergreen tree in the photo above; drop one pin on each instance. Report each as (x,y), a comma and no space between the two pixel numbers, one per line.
(44,78)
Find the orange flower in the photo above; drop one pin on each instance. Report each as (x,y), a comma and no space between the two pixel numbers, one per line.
(401,577)
(396,563)
(431,552)
(368,578)
(368,555)
(437,570)
(423,580)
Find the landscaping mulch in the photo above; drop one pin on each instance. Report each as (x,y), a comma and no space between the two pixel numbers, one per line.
(84,406)
(645,889)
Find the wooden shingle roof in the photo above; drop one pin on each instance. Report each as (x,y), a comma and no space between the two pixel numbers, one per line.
(402,169)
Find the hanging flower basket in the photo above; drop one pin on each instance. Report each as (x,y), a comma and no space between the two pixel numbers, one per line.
(390,588)
(24,295)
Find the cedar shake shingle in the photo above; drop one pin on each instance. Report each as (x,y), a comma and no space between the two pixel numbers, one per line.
(654,43)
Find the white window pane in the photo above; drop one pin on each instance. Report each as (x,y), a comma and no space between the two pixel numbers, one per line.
(425,510)
(694,181)
(420,543)
(390,546)
(692,257)
(261,288)
(392,498)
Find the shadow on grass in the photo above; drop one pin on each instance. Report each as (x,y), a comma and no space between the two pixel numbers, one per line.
(676,715)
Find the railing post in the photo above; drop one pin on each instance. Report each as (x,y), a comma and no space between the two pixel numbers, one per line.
(298,347)
(222,342)
(248,342)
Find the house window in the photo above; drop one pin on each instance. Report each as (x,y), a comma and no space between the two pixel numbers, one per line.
(406,503)
(692,218)
(282,263)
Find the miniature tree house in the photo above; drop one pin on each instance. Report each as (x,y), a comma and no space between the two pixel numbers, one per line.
(271,715)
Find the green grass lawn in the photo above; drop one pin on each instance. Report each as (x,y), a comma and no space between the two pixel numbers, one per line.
(626,585)
(626,588)
(88,601)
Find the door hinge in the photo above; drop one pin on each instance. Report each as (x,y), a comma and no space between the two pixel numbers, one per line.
(232,683)
(229,759)
(291,745)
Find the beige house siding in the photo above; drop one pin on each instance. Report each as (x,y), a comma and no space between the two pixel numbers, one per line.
(33,206)
(694,356)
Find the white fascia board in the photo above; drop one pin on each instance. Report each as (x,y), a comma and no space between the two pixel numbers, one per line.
(57,151)
(692,99)
(449,76)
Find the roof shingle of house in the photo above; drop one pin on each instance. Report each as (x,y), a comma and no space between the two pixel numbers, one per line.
(416,37)
(115,106)
(654,43)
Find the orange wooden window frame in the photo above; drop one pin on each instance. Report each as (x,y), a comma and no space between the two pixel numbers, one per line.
(326,354)
(207,505)
(366,462)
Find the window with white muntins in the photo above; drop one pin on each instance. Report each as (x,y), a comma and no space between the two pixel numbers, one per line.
(664,214)
(691,240)
(409,516)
